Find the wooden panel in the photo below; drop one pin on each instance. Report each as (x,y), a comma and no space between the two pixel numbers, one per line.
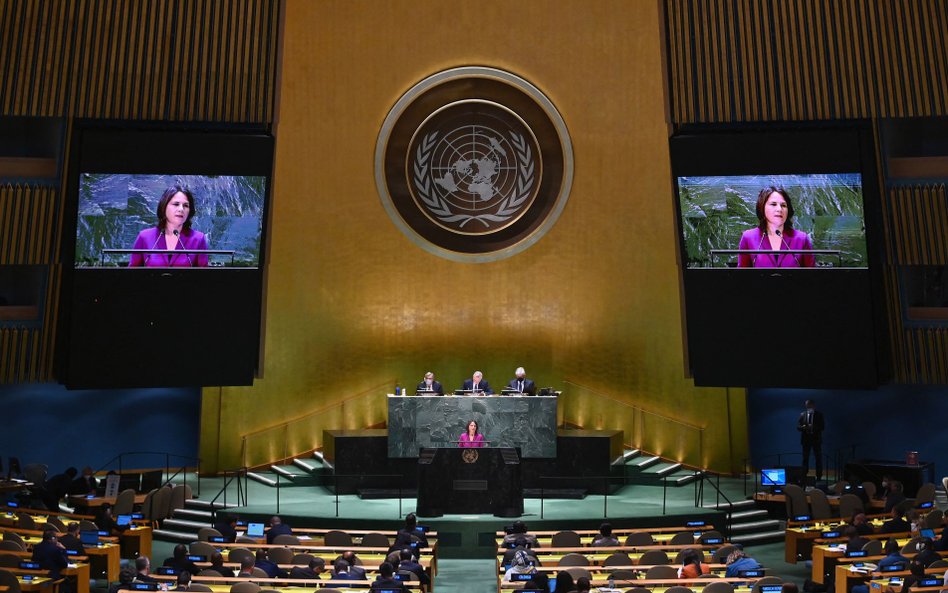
(208,60)
(768,60)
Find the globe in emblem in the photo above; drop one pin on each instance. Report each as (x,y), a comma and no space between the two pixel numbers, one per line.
(474,168)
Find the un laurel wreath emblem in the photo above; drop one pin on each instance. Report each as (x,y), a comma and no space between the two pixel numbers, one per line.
(470,456)
(474,164)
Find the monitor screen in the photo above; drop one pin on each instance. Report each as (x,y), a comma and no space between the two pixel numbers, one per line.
(119,211)
(123,520)
(822,213)
(89,538)
(255,529)
(773,477)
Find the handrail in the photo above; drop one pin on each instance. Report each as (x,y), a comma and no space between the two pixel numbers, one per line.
(699,497)
(640,420)
(242,488)
(167,475)
(833,463)
(308,424)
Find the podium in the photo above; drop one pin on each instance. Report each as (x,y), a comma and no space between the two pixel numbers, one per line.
(469,481)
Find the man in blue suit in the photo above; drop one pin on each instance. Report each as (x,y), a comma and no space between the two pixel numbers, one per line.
(277,527)
(477,384)
(50,554)
(521,384)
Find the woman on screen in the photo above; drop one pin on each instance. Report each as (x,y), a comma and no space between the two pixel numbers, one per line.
(774,232)
(472,437)
(173,232)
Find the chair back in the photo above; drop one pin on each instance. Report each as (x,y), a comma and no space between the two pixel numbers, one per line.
(638,590)
(124,503)
(766,581)
(618,559)
(338,538)
(849,505)
(87,525)
(200,587)
(239,554)
(870,489)
(909,548)
(819,505)
(623,574)
(149,510)
(202,548)
(578,572)
(720,555)
(566,539)
(209,572)
(839,486)
(179,495)
(574,559)
(36,473)
(205,533)
(653,557)
(163,503)
(9,561)
(302,559)
(796,501)
(712,534)
(247,587)
(281,555)
(873,547)
(939,564)
(678,589)
(662,572)
(680,556)
(9,580)
(10,536)
(286,539)
(259,573)
(926,493)
(934,518)
(375,540)
(408,575)
(11,546)
(25,521)
(639,539)
(681,538)
(718,587)
(57,523)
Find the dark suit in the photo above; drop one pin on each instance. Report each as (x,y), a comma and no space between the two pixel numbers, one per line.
(810,425)
(896,526)
(71,542)
(182,564)
(278,529)
(227,530)
(381,583)
(50,557)
(303,572)
(414,567)
(482,386)
(528,387)
(83,485)
(435,389)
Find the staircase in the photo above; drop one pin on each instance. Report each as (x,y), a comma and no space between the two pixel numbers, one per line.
(305,471)
(751,525)
(183,525)
(651,470)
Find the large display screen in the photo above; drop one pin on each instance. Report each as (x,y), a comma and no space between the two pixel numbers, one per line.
(728,213)
(123,211)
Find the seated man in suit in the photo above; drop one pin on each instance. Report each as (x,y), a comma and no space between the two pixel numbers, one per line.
(84,484)
(316,567)
(386,579)
(477,384)
(897,524)
(268,566)
(179,560)
(143,570)
(355,571)
(341,571)
(429,385)
(409,564)
(246,568)
(226,525)
(277,527)
(126,578)
(410,533)
(521,384)
(71,540)
(50,554)
(184,581)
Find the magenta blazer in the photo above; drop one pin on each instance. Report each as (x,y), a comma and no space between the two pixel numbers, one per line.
(754,239)
(152,238)
(465,442)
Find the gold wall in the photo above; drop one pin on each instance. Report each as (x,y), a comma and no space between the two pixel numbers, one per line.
(352,306)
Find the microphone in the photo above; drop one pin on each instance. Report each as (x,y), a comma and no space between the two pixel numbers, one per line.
(177,234)
(784,242)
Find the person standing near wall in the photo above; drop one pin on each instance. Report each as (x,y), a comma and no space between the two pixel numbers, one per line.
(810,425)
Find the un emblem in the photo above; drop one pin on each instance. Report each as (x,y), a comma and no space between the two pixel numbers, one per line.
(474,164)
(469,456)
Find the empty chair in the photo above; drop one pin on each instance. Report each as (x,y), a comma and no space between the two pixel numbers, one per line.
(926,493)
(9,561)
(259,573)
(25,521)
(574,559)
(662,572)
(375,540)
(577,572)
(57,523)
(939,564)
(819,505)
(617,559)
(205,533)
(9,536)
(766,581)
(209,572)
(238,554)
(682,538)
(149,508)
(623,574)
(202,548)
(933,519)
(179,495)
(408,575)
(720,555)
(839,486)
(678,589)
(9,581)
(680,556)
(639,539)
(86,525)
(36,473)
(796,501)
(281,555)
(302,558)
(124,503)
(247,587)
(163,503)
(718,587)
(200,587)
(712,534)
(286,539)
(338,538)
(566,539)
(873,547)
(849,505)
(870,489)
(10,546)
(243,539)
(909,548)
(651,557)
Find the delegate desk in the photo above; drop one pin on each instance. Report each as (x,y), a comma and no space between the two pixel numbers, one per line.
(799,539)
(524,422)
(826,558)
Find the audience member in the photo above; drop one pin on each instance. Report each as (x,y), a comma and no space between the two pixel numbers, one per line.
(226,525)
(184,581)
(605,537)
(692,564)
(143,570)
(539,581)
(341,571)
(217,563)
(412,531)
(894,555)
(520,545)
(84,484)
(519,530)
(50,554)
(71,540)
(738,561)
(917,570)
(355,568)
(925,551)
(277,527)
(894,496)
(854,541)
(564,582)
(942,543)
(862,524)
(914,520)
(104,519)
(386,579)
(57,487)
(268,566)
(408,563)
(246,568)
(897,524)
(179,561)
(789,588)
(315,568)
(521,565)
(126,578)
(582,585)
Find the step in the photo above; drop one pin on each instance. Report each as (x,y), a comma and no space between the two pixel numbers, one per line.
(663,468)
(206,504)
(762,537)
(318,456)
(748,515)
(263,478)
(738,505)
(630,454)
(169,535)
(684,477)
(184,524)
(755,526)
(308,465)
(194,515)
(646,462)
